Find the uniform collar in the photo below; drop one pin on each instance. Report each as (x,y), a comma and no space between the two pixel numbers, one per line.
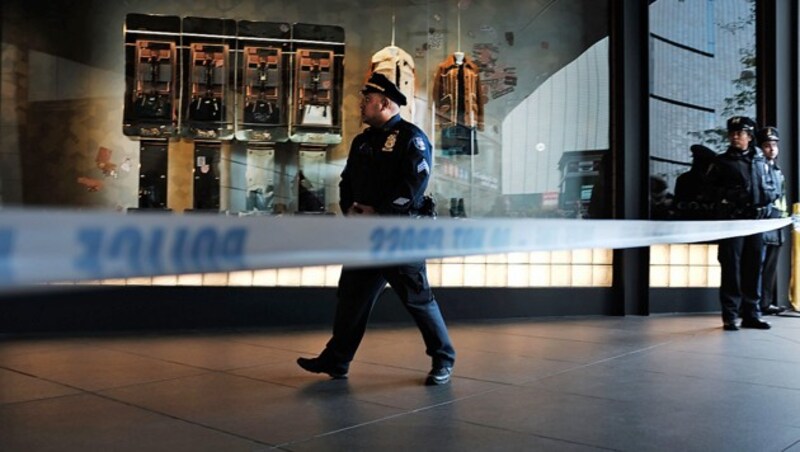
(737,153)
(389,125)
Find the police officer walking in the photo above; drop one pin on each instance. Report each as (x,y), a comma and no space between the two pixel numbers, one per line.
(768,139)
(742,191)
(387,171)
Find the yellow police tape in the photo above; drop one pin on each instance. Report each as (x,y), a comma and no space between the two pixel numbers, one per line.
(794,282)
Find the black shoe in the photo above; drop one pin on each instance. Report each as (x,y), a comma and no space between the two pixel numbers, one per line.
(772,310)
(318,366)
(757,324)
(439,376)
(730,326)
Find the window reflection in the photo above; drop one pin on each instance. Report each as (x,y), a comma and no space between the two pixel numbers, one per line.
(702,72)
(529,139)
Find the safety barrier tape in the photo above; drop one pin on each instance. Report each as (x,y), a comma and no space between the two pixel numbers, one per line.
(38,246)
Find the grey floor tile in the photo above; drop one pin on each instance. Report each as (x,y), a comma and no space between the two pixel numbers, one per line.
(92,368)
(673,382)
(693,396)
(16,387)
(426,431)
(383,385)
(491,366)
(303,342)
(719,367)
(255,409)
(556,349)
(506,368)
(91,423)
(22,346)
(406,355)
(612,424)
(313,341)
(218,353)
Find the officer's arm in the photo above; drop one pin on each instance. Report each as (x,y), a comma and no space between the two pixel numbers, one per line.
(346,196)
(416,170)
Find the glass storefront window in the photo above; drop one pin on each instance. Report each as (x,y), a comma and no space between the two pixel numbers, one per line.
(703,71)
(513,95)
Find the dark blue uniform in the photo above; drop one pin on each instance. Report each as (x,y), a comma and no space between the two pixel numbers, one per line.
(388,168)
(772,243)
(743,191)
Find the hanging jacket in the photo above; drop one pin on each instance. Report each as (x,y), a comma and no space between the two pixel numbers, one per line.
(457,94)
(398,66)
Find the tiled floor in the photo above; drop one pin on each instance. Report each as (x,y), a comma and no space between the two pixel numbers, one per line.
(676,383)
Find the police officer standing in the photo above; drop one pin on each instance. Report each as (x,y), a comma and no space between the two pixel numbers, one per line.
(768,139)
(387,171)
(742,191)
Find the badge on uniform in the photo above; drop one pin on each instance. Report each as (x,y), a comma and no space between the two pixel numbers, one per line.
(388,146)
(419,143)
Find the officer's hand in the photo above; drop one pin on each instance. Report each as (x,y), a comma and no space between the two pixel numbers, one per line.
(360,209)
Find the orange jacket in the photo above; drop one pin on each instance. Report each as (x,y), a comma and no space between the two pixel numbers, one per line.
(446,94)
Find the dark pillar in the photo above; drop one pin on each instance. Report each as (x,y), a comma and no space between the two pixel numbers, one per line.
(777,98)
(630,144)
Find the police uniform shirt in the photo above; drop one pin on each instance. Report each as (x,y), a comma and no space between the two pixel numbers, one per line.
(741,178)
(779,208)
(388,168)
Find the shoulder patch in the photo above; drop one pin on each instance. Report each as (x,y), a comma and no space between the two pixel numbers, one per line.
(419,143)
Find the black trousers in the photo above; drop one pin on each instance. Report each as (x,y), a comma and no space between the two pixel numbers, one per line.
(740,289)
(769,282)
(358,291)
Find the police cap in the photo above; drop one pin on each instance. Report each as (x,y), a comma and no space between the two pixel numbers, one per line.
(744,123)
(700,152)
(768,134)
(378,83)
